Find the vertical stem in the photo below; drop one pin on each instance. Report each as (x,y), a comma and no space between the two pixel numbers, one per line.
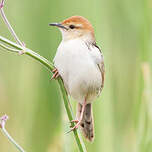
(77,136)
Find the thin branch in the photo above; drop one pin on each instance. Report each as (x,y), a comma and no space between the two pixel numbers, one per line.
(8,24)
(3,120)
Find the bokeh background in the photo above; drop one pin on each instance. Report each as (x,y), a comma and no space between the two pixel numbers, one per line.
(123,112)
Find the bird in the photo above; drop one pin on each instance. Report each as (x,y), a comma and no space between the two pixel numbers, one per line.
(80,64)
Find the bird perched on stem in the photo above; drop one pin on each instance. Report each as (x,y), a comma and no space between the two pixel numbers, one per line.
(79,62)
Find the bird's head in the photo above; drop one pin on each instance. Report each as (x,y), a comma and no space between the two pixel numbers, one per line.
(75,27)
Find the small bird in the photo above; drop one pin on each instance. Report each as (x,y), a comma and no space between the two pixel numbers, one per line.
(79,62)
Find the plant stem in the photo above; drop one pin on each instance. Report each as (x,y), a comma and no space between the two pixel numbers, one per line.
(8,48)
(50,67)
(78,138)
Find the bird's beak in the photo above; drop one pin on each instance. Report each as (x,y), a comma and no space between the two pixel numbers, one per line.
(58,25)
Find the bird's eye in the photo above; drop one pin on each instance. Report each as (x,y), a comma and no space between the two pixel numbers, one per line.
(71,26)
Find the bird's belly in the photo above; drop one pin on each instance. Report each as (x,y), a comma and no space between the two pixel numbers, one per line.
(84,85)
(82,79)
(81,76)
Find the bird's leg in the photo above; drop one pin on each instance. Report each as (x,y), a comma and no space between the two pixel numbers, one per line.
(81,116)
(56,74)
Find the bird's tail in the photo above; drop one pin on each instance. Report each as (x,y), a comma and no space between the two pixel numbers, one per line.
(87,123)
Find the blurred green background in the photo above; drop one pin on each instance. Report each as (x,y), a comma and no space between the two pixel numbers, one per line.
(122,114)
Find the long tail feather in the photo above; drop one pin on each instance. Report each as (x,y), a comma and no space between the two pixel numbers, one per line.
(87,123)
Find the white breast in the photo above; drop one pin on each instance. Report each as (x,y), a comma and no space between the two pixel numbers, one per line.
(78,68)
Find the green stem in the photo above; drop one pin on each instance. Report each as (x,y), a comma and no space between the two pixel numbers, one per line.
(50,67)
(78,138)
(8,48)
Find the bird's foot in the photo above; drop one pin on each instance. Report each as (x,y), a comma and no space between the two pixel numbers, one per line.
(75,127)
(74,121)
(56,74)
(77,124)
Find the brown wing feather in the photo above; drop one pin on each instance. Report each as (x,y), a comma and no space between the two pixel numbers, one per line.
(101,66)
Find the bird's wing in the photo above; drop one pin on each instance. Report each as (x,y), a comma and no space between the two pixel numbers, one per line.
(97,56)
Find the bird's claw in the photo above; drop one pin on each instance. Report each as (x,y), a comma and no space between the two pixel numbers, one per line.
(55,75)
(75,121)
(75,127)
